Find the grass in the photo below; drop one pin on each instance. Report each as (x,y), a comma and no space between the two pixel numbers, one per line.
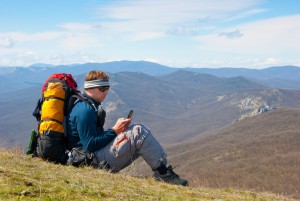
(26,178)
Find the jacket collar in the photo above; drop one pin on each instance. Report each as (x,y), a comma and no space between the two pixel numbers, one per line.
(90,98)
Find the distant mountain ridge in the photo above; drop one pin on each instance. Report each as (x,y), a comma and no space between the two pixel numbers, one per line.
(286,77)
(14,78)
(285,72)
(177,107)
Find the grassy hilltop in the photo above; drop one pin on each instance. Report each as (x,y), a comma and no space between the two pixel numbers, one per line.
(26,178)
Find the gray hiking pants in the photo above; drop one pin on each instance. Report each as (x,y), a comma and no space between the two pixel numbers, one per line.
(137,140)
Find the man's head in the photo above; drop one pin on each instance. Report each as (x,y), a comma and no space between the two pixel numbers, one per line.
(96,85)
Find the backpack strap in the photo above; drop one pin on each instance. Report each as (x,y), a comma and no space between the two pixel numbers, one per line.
(79,96)
(37,110)
(101,113)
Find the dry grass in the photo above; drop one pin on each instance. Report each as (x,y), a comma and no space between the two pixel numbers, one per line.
(261,154)
(26,178)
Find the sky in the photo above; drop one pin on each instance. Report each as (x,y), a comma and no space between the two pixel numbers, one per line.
(177,33)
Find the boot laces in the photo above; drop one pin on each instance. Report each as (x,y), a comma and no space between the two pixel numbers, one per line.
(170,168)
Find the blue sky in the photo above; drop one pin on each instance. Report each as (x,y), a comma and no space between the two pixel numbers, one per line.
(177,33)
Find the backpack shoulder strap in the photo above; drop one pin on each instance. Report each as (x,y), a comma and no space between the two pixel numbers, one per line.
(79,96)
(101,113)
(37,110)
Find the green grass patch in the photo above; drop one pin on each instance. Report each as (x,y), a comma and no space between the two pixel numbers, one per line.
(26,178)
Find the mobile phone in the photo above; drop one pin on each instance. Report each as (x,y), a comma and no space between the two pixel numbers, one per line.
(130,114)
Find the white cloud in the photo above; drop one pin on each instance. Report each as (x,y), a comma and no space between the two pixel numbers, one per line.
(79,26)
(169,16)
(232,34)
(271,61)
(77,41)
(245,14)
(51,41)
(6,42)
(172,11)
(277,36)
(18,57)
(29,37)
(199,33)
(147,35)
(152,60)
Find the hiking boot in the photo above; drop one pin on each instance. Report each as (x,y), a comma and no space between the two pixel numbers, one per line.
(170,177)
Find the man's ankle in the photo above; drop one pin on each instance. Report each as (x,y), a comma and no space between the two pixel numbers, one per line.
(162,169)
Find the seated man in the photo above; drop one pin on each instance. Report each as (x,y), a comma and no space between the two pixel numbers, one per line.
(121,144)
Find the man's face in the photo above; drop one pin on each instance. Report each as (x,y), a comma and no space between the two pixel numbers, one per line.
(101,93)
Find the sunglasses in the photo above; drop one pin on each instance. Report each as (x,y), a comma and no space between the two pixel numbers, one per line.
(103,89)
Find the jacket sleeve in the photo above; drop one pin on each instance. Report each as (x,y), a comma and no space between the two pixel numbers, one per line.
(91,137)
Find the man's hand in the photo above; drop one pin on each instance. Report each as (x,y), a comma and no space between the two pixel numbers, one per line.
(121,125)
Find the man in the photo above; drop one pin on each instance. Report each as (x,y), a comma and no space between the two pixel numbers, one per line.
(121,144)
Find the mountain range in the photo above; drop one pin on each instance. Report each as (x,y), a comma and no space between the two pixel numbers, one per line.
(221,127)
(14,78)
(177,106)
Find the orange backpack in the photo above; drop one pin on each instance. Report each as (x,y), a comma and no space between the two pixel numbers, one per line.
(50,142)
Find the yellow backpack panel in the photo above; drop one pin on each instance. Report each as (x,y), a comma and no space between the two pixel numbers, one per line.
(52,113)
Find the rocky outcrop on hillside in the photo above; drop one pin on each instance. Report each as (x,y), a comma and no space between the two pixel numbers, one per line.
(252,106)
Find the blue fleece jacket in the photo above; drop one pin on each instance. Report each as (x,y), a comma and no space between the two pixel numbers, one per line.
(82,128)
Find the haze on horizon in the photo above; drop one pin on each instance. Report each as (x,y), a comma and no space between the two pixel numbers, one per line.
(176,33)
